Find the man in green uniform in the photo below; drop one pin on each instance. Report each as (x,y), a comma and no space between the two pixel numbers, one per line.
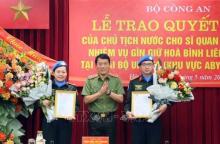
(102,92)
(143,132)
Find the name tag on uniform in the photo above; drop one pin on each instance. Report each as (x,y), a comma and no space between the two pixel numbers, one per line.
(138,87)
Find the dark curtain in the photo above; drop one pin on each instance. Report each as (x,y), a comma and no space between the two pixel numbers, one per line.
(196,122)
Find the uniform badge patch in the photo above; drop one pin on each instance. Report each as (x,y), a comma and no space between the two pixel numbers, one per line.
(138,87)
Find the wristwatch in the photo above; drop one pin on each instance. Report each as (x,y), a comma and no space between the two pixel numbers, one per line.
(109,92)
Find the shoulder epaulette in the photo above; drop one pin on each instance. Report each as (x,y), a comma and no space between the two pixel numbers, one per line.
(72,84)
(136,77)
(113,75)
(92,76)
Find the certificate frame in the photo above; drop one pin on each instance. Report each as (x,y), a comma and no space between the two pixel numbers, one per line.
(70,102)
(141,94)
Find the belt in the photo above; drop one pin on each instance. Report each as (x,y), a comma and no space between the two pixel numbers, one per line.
(102,114)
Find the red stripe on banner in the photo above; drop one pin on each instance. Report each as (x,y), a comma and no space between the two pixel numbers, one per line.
(23,48)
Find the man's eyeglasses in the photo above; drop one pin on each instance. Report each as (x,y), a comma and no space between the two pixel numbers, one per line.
(147,64)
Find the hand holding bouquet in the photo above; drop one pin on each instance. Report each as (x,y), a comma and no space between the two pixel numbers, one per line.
(169,86)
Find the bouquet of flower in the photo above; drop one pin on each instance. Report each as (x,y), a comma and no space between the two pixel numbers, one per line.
(11,63)
(33,84)
(22,82)
(169,86)
(22,77)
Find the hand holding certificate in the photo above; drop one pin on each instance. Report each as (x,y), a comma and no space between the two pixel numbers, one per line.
(141,104)
(65,104)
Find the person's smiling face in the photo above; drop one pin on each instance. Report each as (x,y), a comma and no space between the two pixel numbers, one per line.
(60,73)
(147,67)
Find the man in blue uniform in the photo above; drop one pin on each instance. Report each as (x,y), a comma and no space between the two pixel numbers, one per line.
(143,132)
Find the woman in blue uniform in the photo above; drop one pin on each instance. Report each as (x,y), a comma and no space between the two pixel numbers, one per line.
(59,131)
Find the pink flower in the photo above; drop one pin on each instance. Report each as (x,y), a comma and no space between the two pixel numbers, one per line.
(187,84)
(18,85)
(182,78)
(170,76)
(27,75)
(30,72)
(176,72)
(30,81)
(162,80)
(22,74)
(23,83)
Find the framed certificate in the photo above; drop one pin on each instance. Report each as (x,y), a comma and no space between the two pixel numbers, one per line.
(141,104)
(65,102)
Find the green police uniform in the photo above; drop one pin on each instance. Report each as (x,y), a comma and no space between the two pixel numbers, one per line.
(103,103)
(101,111)
(142,131)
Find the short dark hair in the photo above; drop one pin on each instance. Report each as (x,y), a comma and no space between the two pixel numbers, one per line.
(102,56)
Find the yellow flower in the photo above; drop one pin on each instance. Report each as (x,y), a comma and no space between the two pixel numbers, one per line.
(173,85)
(188,92)
(18,69)
(1,84)
(14,61)
(9,76)
(160,72)
(6,95)
(9,142)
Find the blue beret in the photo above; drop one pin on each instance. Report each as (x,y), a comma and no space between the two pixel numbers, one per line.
(59,64)
(145,58)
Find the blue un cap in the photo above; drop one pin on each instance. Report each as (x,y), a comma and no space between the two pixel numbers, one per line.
(145,58)
(59,64)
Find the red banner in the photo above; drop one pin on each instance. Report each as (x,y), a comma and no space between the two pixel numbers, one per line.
(23,48)
(24,14)
(184,34)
